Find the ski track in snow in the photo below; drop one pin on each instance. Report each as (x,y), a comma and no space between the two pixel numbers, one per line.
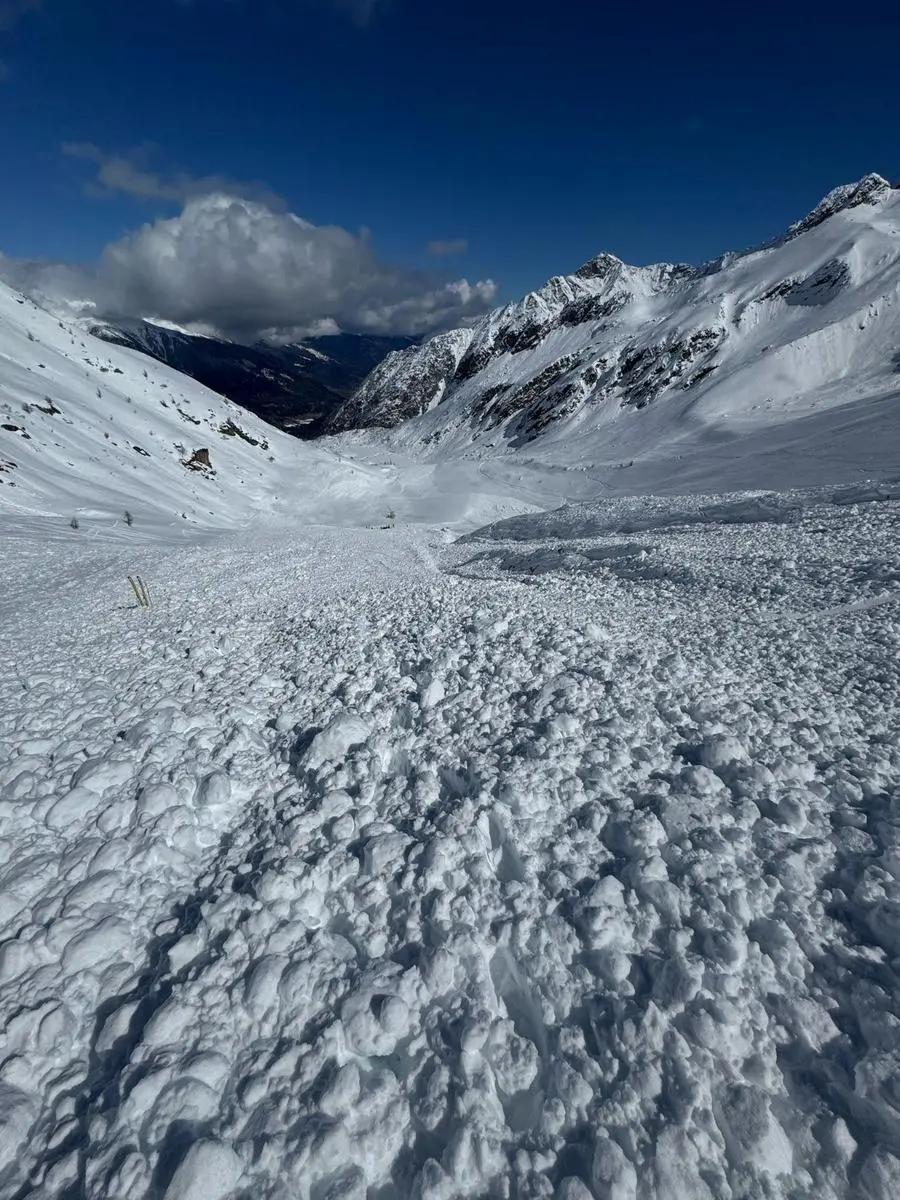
(561,862)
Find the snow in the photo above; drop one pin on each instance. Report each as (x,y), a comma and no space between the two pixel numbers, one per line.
(209,1171)
(88,430)
(195,331)
(313,352)
(549,862)
(540,841)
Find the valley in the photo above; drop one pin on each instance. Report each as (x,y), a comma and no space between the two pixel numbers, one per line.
(497,797)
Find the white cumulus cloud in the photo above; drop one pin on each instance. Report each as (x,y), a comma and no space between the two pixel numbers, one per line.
(247,271)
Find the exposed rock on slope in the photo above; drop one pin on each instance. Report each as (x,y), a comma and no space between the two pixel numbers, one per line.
(91,429)
(780,326)
(414,383)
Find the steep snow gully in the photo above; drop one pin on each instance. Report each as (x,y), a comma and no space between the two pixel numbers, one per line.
(560,861)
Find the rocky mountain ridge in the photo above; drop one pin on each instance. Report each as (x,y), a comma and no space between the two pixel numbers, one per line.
(613,337)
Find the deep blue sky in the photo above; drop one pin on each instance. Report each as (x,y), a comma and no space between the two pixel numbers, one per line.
(541,133)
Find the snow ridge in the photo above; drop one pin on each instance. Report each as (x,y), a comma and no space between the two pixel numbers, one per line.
(805,321)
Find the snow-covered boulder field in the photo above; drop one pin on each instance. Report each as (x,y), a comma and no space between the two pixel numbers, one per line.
(561,862)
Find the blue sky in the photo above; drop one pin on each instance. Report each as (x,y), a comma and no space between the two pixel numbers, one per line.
(525,137)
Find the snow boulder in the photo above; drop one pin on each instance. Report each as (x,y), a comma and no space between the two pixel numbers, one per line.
(332,743)
(209,1171)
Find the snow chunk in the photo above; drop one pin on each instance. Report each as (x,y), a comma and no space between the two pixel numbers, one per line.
(614,1177)
(209,1171)
(722,750)
(99,774)
(339,735)
(109,940)
(214,790)
(16,1115)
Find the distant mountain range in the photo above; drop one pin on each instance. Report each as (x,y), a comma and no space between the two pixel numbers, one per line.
(297,388)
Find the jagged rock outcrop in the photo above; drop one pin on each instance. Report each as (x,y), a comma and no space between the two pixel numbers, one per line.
(412,382)
(613,337)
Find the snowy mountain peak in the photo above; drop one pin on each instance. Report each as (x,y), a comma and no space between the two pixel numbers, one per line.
(601,266)
(869,190)
(809,321)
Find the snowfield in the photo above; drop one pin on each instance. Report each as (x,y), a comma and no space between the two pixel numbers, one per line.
(560,861)
(537,841)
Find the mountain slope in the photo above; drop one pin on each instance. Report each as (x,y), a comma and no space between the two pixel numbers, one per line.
(752,340)
(296,387)
(558,862)
(407,384)
(88,429)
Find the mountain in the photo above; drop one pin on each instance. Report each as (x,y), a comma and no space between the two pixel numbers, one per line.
(296,387)
(807,322)
(773,368)
(89,429)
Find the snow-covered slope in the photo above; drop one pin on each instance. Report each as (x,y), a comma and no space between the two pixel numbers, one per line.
(569,871)
(748,342)
(88,430)
(295,387)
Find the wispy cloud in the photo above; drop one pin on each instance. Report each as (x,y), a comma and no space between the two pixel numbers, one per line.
(12,11)
(452,246)
(131,176)
(362,12)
